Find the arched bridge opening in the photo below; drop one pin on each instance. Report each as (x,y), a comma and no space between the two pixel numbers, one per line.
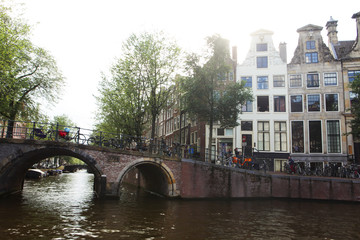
(150,175)
(13,174)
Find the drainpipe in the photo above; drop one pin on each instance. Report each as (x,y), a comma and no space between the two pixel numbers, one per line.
(346,124)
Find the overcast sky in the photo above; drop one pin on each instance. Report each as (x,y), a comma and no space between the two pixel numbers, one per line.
(85,36)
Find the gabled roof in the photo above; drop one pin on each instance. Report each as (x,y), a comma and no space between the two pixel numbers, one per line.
(343,48)
(356,15)
(310,27)
(262,32)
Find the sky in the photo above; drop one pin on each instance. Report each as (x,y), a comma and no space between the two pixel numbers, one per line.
(85,36)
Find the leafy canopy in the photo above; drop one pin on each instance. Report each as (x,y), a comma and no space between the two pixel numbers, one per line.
(208,92)
(355,108)
(139,85)
(28,74)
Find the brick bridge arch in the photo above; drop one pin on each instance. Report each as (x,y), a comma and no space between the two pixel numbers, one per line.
(14,166)
(108,166)
(153,174)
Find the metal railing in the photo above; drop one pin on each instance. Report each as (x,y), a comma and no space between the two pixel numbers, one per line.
(61,133)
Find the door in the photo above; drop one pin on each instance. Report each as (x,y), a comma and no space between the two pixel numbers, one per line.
(247,145)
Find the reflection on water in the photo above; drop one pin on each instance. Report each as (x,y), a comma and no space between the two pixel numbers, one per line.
(64,207)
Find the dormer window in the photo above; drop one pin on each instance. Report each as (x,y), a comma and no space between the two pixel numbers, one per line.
(261,47)
(310,45)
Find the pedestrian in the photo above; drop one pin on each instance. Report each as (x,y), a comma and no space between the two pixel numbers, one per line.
(291,164)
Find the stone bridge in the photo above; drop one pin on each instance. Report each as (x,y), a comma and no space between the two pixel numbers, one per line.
(170,177)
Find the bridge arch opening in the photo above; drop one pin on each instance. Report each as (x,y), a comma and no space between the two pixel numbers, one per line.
(150,175)
(13,175)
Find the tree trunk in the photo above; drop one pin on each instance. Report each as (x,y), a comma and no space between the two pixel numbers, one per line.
(10,126)
(153,123)
(210,139)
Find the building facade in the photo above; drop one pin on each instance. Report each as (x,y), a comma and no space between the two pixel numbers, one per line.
(316,107)
(299,109)
(264,126)
(348,54)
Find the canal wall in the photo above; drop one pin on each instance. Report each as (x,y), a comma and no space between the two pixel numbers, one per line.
(201,180)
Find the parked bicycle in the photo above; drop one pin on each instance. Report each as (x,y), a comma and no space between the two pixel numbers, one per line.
(98,141)
(38,133)
(77,137)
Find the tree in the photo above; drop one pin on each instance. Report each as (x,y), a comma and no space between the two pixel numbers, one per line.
(139,87)
(63,121)
(355,108)
(121,102)
(28,74)
(205,93)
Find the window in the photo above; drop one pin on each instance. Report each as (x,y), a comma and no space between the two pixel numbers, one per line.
(353,98)
(262,62)
(228,132)
(331,102)
(220,132)
(310,45)
(221,76)
(279,81)
(312,80)
(262,82)
(313,103)
(279,104)
(330,79)
(248,107)
(261,47)
(280,136)
(248,81)
(246,126)
(231,76)
(175,123)
(296,103)
(295,80)
(262,103)
(311,57)
(263,136)
(353,74)
(333,136)
(315,142)
(297,136)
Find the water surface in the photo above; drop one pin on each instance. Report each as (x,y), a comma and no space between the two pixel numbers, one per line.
(64,207)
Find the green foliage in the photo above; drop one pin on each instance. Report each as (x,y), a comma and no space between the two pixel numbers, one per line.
(28,74)
(229,105)
(205,94)
(139,86)
(63,121)
(355,108)
(72,160)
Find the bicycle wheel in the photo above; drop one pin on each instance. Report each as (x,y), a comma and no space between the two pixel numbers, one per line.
(105,143)
(91,141)
(51,135)
(81,139)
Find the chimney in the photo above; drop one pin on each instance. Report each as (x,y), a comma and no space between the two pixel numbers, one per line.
(357,17)
(234,54)
(283,52)
(332,32)
(234,60)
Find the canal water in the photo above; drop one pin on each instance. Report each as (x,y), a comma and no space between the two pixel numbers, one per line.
(64,207)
